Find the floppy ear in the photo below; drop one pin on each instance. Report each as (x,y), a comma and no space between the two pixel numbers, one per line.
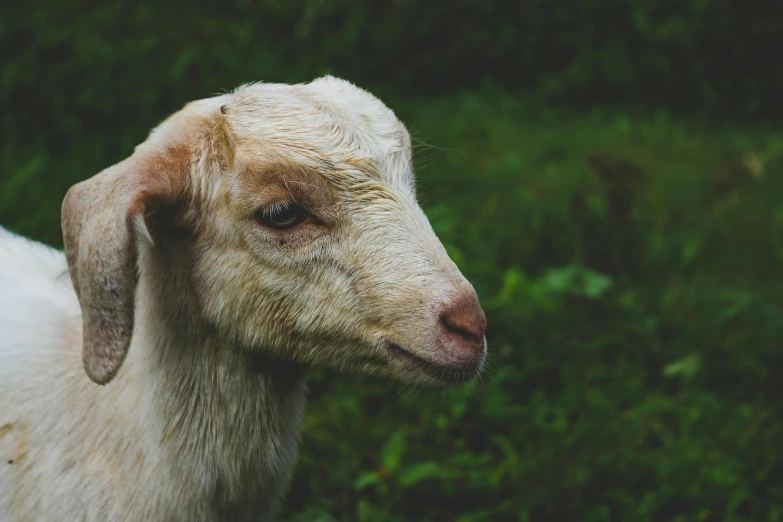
(101,220)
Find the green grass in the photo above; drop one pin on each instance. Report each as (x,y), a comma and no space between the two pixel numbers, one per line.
(629,268)
(633,350)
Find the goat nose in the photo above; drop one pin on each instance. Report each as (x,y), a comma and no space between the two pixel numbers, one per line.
(465,323)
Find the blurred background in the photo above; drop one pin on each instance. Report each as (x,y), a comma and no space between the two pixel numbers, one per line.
(606,173)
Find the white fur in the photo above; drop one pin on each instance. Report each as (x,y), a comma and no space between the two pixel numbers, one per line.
(202,419)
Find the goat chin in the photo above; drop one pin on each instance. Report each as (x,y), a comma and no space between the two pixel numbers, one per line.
(274,228)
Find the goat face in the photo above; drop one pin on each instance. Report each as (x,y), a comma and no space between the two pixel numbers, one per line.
(307,241)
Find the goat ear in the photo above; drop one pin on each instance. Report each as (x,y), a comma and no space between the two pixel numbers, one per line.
(101,220)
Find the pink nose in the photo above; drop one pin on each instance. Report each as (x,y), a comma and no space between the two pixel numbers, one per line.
(464,323)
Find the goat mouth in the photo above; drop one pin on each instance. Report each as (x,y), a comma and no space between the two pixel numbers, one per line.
(441,372)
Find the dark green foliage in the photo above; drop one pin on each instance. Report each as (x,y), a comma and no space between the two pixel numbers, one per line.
(637,391)
(692,54)
(628,261)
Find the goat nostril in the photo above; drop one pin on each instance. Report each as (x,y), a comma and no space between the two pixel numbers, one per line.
(465,320)
(472,336)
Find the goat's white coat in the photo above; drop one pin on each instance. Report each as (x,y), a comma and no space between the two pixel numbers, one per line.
(187,430)
(63,437)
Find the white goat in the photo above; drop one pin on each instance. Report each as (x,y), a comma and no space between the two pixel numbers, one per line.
(275,228)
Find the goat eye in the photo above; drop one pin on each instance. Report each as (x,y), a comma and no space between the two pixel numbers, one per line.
(281,217)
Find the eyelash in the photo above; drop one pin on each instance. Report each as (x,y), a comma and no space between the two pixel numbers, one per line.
(274,216)
(273,208)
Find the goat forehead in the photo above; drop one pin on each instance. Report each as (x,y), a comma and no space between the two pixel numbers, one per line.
(327,121)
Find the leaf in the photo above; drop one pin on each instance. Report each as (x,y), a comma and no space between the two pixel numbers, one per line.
(418,472)
(392,452)
(366,479)
(511,457)
(686,367)
(559,280)
(458,408)
(366,512)
(595,284)
(573,279)
(513,278)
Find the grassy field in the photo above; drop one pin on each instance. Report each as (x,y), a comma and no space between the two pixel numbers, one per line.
(629,268)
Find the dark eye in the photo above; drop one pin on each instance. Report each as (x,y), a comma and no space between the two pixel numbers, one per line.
(281,216)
